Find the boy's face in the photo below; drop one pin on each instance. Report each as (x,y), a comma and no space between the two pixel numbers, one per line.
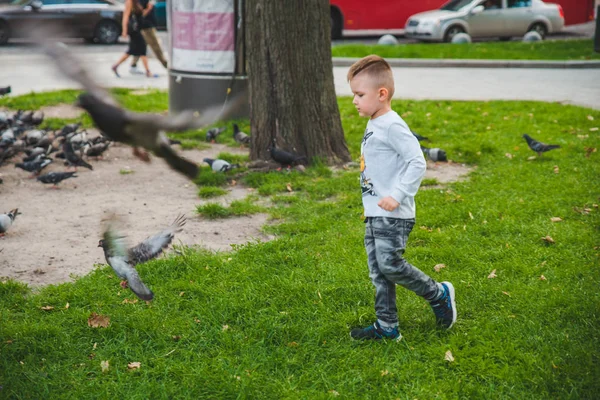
(369,100)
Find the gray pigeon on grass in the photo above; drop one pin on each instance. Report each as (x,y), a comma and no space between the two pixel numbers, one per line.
(123,260)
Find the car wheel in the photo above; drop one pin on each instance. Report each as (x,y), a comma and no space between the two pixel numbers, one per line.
(336,24)
(4,32)
(106,32)
(539,28)
(452,31)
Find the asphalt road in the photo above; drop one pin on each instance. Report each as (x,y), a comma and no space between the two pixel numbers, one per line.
(26,70)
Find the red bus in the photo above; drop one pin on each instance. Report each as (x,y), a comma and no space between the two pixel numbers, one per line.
(358,15)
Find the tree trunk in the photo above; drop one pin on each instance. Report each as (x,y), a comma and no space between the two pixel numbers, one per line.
(290,72)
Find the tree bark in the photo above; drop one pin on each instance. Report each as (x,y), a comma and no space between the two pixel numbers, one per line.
(290,73)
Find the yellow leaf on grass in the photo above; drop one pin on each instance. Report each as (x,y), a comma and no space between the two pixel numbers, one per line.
(506,293)
(128,301)
(438,267)
(593,129)
(509,156)
(333,392)
(225,327)
(98,321)
(385,372)
(104,365)
(492,274)
(543,278)
(448,356)
(548,239)
(67,305)
(288,186)
(47,308)
(134,365)
(556,169)
(590,117)
(471,215)
(531,158)
(556,219)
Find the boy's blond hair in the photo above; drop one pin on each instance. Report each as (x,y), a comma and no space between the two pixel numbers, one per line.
(377,69)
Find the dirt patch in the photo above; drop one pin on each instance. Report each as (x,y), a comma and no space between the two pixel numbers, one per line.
(446,172)
(57,234)
(65,111)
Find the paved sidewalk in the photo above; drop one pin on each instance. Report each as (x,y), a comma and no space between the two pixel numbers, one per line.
(32,72)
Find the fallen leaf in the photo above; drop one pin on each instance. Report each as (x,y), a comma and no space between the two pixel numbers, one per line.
(543,278)
(438,267)
(128,301)
(531,158)
(176,337)
(98,321)
(492,274)
(95,345)
(181,294)
(548,239)
(134,365)
(385,372)
(506,293)
(448,356)
(593,129)
(67,305)
(333,392)
(583,210)
(225,327)
(233,182)
(556,219)
(554,366)
(589,151)
(289,187)
(426,229)
(470,215)
(583,137)
(91,356)
(196,320)
(104,365)
(556,169)
(47,308)
(292,344)
(590,117)
(509,156)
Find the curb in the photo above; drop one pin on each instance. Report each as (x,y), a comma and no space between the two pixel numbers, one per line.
(447,63)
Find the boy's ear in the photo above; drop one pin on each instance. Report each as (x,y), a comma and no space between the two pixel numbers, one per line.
(383,94)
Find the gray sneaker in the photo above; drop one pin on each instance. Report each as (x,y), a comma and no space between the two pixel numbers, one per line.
(445,307)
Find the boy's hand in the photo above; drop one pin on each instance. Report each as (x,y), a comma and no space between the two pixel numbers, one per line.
(388,203)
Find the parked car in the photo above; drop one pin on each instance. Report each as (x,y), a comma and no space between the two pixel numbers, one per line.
(486,18)
(95,20)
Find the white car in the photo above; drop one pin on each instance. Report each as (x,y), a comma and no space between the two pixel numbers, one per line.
(486,18)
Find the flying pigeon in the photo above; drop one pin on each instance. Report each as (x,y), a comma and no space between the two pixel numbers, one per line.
(240,136)
(6,220)
(139,130)
(56,177)
(123,261)
(419,137)
(220,165)
(539,147)
(212,133)
(72,158)
(283,157)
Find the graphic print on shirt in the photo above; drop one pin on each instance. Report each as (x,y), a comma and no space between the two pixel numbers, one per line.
(365,184)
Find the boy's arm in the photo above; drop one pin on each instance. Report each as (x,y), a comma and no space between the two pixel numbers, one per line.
(403,141)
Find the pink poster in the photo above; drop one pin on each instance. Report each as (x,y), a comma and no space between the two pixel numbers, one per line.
(203,37)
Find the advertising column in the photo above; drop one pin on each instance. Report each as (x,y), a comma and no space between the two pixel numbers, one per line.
(203,36)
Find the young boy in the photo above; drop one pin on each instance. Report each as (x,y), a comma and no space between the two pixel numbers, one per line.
(392,167)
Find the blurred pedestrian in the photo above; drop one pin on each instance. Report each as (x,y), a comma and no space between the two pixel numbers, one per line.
(148,30)
(132,25)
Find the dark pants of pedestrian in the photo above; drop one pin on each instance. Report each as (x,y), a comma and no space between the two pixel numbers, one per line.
(149,35)
(385,242)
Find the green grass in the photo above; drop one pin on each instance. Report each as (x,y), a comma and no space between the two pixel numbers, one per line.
(271,320)
(207,192)
(236,208)
(546,50)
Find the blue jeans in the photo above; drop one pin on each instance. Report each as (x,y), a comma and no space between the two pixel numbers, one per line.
(385,242)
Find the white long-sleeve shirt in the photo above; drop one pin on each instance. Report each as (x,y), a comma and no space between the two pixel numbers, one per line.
(392,164)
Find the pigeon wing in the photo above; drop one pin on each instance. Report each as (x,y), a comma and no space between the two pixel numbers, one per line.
(175,161)
(137,286)
(70,65)
(153,246)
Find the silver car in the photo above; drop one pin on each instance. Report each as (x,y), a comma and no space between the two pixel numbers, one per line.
(486,18)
